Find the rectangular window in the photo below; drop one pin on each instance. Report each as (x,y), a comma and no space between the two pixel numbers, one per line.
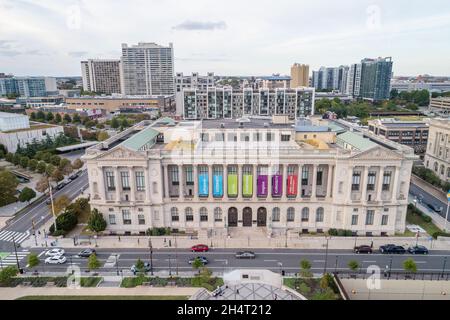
(112,219)
(126,216)
(205,137)
(189,176)
(305,175)
(141,219)
(387,180)
(285,137)
(125,180)
(371,180)
(319,177)
(245,137)
(232,137)
(140,181)
(257,136)
(384,220)
(369,217)
(354,220)
(110,184)
(174,175)
(356,180)
(270,136)
(219,137)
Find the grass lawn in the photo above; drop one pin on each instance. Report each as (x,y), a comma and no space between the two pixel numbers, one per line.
(103,298)
(311,290)
(429,227)
(3,255)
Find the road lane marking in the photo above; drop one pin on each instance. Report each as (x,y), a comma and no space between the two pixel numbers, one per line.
(270,260)
(369,262)
(318,260)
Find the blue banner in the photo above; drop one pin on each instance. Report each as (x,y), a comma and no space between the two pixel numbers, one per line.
(203,186)
(218,186)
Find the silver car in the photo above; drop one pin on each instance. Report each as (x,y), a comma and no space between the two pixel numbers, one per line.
(245,255)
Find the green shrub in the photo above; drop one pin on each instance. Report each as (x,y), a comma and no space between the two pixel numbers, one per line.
(333,232)
(90,282)
(440,234)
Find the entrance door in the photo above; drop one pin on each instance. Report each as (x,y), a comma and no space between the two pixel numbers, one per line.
(232,217)
(262,217)
(247,217)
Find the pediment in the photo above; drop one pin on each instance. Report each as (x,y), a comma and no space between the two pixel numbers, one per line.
(378,153)
(121,153)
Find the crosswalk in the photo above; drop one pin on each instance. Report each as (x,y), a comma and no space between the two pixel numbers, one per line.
(9,236)
(10,260)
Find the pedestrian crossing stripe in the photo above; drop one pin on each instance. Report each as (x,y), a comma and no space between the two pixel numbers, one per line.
(11,260)
(8,236)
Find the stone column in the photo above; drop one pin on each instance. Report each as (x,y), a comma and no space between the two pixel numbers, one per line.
(166,180)
(330,181)
(379,183)
(101,184)
(299,182)
(195,170)
(118,185)
(395,192)
(239,172)
(210,183)
(132,185)
(364,179)
(270,186)
(255,183)
(147,185)
(314,180)
(181,180)
(225,181)
(284,182)
(351,170)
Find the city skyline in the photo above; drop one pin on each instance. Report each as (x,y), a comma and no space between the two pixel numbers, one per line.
(51,38)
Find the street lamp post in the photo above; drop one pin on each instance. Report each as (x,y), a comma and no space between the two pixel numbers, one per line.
(446,215)
(15,251)
(34,232)
(326,257)
(176,255)
(336,264)
(117,264)
(53,206)
(150,248)
(170,266)
(390,268)
(443,267)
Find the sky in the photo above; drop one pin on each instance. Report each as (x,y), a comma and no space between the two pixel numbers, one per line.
(245,37)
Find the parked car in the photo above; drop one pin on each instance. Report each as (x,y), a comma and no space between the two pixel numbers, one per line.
(200,248)
(362,249)
(55,252)
(392,248)
(147,268)
(56,260)
(418,250)
(48,201)
(245,255)
(434,208)
(61,185)
(86,253)
(203,260)
(74,176)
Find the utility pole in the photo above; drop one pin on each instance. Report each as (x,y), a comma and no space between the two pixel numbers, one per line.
(51,200)
(443,267)
(176,253)
(150,247)
(390,268)
(117,264)
(15,251)
(326,258)
(34,232)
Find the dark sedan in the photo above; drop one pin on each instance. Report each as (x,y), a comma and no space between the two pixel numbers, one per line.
(418,250)
(245,255)
(86,253)
(363,249)
(392,248)
(203,260)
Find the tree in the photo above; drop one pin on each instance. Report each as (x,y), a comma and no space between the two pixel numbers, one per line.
(410,265)
(8,185)
(140,265)
(353,265)
(9,157)
(102,136)
(305,267)
(65,222)
(49,169)
(65,166)
(96,222)
(326,281)
(6,275)
(40,115)
(76,118)
(49,117)
(77,164)
(16,159)
(60,203)
(24,162)
(33,116)
(55,160)
(197,264)
(124,123)
(93,262)
(33,260)
(41,166)
(114,123)
(67,118)
(58,118)
(57,175)
(27,194)
(32,165)
(42,185)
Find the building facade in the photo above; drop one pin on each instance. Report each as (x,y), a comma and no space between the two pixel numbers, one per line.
(410,133)
(194,81)
(440,105)
(227,103)
(299,75)
(331,79)
(437,157)
(148,69)
(101,76)
(28,86)
(376,77)
(222,174)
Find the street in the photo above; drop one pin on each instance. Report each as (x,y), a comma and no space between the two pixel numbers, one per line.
(21,225)
(220,260)
(427,198)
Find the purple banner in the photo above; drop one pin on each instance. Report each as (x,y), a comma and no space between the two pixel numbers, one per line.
(277,185)
(262,181)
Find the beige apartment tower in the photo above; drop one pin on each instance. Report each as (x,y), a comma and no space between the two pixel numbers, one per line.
(299,75)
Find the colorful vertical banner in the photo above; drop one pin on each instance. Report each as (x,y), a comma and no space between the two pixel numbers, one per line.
(218,185)
(232,185)
(292,182)
(277,185)
(247,185)
(203,185)
(262,182)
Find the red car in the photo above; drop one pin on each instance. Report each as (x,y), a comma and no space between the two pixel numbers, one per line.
(200,248)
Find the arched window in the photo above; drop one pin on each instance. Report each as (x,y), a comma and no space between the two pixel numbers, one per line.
(189,213)
(442,169)
(276,214)
(203,214)
(290,214)
(217,214)
(436,166)
(448,172)
(174,214)
(305,214)
(319,215)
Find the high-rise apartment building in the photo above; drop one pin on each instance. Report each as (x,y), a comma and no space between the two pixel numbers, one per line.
(331,79)
(28,86)
(194,81)
(299,75)
(148,69)
(101,76)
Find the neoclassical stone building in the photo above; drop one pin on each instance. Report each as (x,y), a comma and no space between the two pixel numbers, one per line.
(267,173)
(437,157)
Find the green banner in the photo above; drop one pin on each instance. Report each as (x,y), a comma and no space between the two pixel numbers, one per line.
(232,185)
(247,185)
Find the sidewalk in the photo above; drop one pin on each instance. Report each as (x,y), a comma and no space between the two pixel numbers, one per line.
(14,293)
(437,219)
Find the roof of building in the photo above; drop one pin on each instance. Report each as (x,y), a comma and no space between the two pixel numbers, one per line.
(356,140)
(245,123)
(11,115)
(140,139)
